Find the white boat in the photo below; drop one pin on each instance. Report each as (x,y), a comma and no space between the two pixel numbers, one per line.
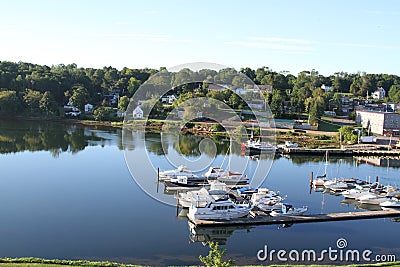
(214,172)
(288,144)
(180,171)
(259,146)
(321,179)
(234,179)
(335,185)
(393,203)
(372,199)
(265,196)
(354,193)
(217,191)
(218,210)
(227,177)
(287,210)
(181,183)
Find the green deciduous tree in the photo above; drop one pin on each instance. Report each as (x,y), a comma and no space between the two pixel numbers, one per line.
(214,258)
(9,102)
(348,134)
(47,103)
(79,97)
(32,99)
(133,85)
(276,105)
(102,113)
(123,103)
(394,93)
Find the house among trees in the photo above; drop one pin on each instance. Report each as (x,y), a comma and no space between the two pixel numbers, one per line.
(326,88)
(380,93)
(137,113)
(168,99)
(89,108)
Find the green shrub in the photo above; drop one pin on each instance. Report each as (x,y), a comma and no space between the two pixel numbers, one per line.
(214,257)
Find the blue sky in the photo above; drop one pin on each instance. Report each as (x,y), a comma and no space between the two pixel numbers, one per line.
(328,36)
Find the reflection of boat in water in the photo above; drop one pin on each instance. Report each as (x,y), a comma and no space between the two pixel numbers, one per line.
(358,205)
(213,234)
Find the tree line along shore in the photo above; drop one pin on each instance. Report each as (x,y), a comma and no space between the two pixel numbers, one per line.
(38,91)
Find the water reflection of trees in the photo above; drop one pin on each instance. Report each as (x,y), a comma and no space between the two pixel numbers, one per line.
(299,160)
(18,136)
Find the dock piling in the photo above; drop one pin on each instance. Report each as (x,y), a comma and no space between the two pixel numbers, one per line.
(158,178)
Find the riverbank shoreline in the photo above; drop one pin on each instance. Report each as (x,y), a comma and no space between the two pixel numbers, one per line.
(29,262)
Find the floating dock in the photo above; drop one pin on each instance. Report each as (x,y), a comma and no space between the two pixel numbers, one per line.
(261,219)
(342,152)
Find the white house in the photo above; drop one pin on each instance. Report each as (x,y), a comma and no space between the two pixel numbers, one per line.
(89,108)
(326,88)
(137,113)
(168,99)
(380,93)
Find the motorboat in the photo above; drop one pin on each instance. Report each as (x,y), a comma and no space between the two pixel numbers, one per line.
(393,203)
(336,185)
(287,209)
(259,146)
(372,199)
(218,210)
(180,171)
(217,191)
(214,172)
(354,193)
(227,177)
(234,179)
(181,182)
(288,144)
(265,196)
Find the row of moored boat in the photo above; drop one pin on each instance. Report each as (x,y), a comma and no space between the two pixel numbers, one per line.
(223,195)
(387,197)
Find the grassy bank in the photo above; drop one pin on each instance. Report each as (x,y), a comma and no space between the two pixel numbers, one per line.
(37,262)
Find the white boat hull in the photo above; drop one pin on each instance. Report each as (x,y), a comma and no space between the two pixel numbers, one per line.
(374,201)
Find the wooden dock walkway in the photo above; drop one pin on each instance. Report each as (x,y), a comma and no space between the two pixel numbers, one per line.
(265,219)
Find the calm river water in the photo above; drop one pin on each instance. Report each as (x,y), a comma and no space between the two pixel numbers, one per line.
(66,193)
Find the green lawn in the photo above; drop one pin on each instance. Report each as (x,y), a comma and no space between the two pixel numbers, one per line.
(35,262)
(327,126)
